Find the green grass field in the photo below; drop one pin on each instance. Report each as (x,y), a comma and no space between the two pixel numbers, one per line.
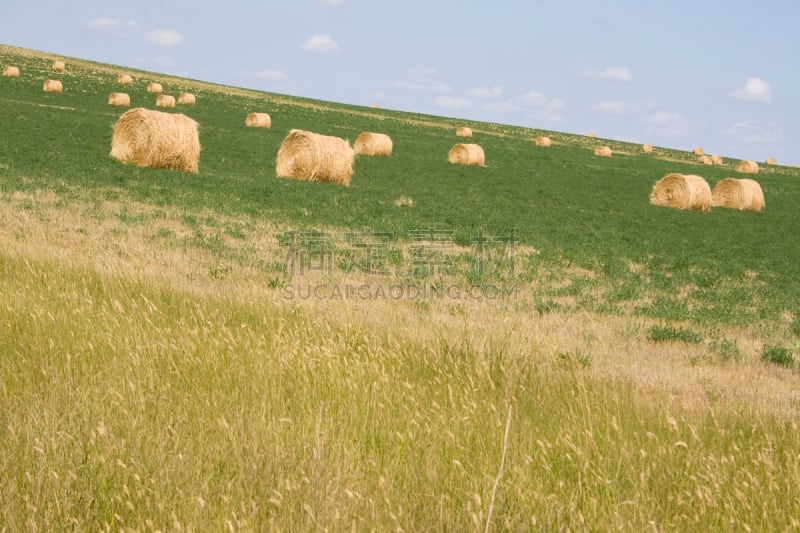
(163,370)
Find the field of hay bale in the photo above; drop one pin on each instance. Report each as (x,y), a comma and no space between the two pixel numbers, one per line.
(191,342)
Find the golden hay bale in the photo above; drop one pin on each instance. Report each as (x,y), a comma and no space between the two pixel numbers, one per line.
(770,161)
(544,142)
(52,86)
(11,72)
(602,151)
(165,100)
(467,154)
(119,99)
(154,87)
(698,151)
(59,66)
(258,120)
(156,139)
(368,143)
(706,160)
(747,167)
(124,79)
(186,99)
(591,134)
(682,192)
(464,131)
(647,148)
(375,106)
(744,194)
(716,159)
(304,155)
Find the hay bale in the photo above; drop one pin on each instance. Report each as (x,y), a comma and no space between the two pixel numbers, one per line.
(154,87)
(258,120)
(544,142)
(186,99)
(647,148)
(11,72)
(59,66)
(308,156)
(747,167)
(698,151)
(716,159)
(124,79)
(165,100)
(706,160)
(602,151)
(52,86)
(744,194)
(682,192)
(770,161)
(464,131)
(467,154)
(119,99)
(591,134)
(368,143)
(156,139)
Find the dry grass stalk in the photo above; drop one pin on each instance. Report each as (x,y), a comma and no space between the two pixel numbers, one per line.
(716,159)
(464,131)
(403,201)
(186,99)
(647,148)
(165,100)
(156,139)
(770,161)
(121,99)
(544,142)
(59,66)
(698,151)
(747,167)
(11,71)
(682,192)
(52,86)
(258,120)
(124,79)
(368,143)
(602,151)
(310,156)
(467,154)
(744,194)
(154,87)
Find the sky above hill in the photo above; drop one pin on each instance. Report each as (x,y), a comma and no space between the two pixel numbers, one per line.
(721,74)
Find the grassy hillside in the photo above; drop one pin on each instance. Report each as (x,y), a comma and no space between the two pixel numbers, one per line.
(167,367)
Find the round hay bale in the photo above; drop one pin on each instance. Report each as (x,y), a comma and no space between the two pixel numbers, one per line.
(464,131)
(647,148)
(544,142)
(186,99)
(368,143)
(124,79)
(11,72)
(747,167)
(52,86)
(682,192)
(154,87)
(258,120)
(602,151)
(770,161)
(698,151)
(706,160)
(165,100)
(156,139)
(308,156)
(716,159)
(467,154)
(119,99)
(591,134)
(59,66)
(744,194)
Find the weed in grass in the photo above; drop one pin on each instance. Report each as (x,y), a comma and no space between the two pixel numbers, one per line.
(726,350)
(668,333)
(778,355)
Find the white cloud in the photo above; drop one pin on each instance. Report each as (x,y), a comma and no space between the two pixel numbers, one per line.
(543,108)
(273,75)
(423,79)
(502,106)
(608,74)
(751,132)
(453,102)
(321,44)
(620,107)
(108,24)
(163,38)
(486,92)
(331,3)
(754,89)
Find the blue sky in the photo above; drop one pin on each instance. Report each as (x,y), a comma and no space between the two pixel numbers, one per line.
(724,75)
